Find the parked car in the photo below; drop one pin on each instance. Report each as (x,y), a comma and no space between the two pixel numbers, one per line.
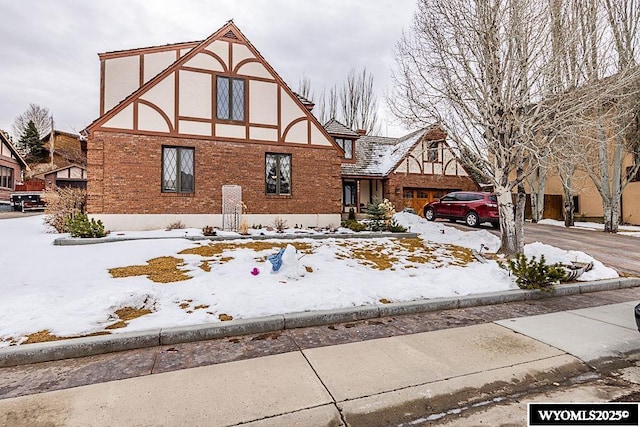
(472,207)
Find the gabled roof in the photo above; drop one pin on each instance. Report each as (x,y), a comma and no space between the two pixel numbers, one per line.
(378,156)
(5,140)
(334,127)
(60,132)
(41,175)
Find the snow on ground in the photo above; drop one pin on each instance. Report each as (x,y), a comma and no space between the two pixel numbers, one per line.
(627,230)
(68,290)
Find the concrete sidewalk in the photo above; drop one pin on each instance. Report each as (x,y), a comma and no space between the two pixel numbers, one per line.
(406,378)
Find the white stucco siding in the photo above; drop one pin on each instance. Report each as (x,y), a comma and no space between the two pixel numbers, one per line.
(298,133)
(254,69)
(195,95)
(204,62)
(156,62)
(289,110)
(122,120)
(263,134)
(221,49)
(150,119)
(194,128)
(240,53)
(121,79)
(162,95)
(319,138)
(230,131)
(263,103)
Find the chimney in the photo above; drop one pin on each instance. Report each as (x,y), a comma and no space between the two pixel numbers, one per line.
(361,132)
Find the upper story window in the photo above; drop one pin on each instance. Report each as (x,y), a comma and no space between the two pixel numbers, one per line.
(433,152)
(230,98)
(347,146)
(178,170)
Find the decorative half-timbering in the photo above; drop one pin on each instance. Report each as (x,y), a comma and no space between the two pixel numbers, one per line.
(409,171)
(180,121)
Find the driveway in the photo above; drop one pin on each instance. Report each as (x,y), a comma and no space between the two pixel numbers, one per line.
(614,250)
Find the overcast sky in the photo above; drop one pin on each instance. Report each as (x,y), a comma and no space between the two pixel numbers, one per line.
(48,49)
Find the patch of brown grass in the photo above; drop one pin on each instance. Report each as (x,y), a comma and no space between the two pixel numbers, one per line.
(385,301)
(160,270)
(258,246)
(225,317)
(125,314)
(205,266)
(46,336)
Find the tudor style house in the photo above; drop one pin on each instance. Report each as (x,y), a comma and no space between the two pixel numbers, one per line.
(409,171)
(185,129)
(12,166)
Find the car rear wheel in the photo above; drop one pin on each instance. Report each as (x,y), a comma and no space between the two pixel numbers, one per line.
(472,219)
(429,214)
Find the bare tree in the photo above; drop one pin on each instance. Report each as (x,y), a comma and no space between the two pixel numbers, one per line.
(478,68)
(354,104)
(40,116)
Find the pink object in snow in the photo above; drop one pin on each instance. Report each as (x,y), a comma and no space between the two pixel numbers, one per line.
(255,271)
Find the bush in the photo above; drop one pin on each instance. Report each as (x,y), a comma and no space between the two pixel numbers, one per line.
(81,226)
(394,227)
(532,274)
(176,225)
(63,204)
(354,225)
(208,230)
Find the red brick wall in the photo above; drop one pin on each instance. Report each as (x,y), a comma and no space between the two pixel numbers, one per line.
(398,181)
(124,176)
(17,170)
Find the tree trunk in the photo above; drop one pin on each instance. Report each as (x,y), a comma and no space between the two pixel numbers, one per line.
(568,208)
(509,241)
(521,201)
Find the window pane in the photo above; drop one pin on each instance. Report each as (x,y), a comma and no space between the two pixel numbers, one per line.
(285,174)
(169,169)
(10,178)
(271,174)
(237,99)
(350,194)
(186,171)
(223,98)
(348,148)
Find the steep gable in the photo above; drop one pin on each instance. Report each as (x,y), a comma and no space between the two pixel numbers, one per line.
(9,151)
(184,99)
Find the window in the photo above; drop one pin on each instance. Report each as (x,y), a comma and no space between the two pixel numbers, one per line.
(177,170)
(6,177)
(278,173)
(230,99)
(349,193)
(347,146)
(432,153)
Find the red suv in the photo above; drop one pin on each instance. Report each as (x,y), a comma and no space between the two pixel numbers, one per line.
(472,207)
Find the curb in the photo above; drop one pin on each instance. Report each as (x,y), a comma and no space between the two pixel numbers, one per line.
(101,344)
(72,241)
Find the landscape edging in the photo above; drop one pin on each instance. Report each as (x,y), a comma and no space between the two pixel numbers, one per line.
(100,344)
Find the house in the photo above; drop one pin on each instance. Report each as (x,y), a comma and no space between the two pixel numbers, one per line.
(199,131)
(67,148)
(70,176)
(409,171)
(12,166)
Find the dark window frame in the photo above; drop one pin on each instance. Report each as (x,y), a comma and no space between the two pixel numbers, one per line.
(278,178)
(178,178)
(6,177)
(342,143)
(354,193)
(231,112)
(433,152)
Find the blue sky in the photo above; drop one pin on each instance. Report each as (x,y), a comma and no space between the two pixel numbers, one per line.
(48,49)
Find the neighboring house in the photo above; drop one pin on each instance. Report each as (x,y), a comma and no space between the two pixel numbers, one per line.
(180,122)
(409,171)
(12,166)
(68,148)
(71,176)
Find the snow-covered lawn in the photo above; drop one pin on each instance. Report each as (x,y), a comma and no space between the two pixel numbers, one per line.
(70,291)
(627,230)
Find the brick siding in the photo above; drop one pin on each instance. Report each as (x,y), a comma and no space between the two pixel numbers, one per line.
(124,176)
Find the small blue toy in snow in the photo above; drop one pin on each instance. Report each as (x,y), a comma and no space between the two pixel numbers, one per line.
(276,260)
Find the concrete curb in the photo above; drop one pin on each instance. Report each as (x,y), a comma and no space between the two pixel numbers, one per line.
(89,346)
(72,241)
